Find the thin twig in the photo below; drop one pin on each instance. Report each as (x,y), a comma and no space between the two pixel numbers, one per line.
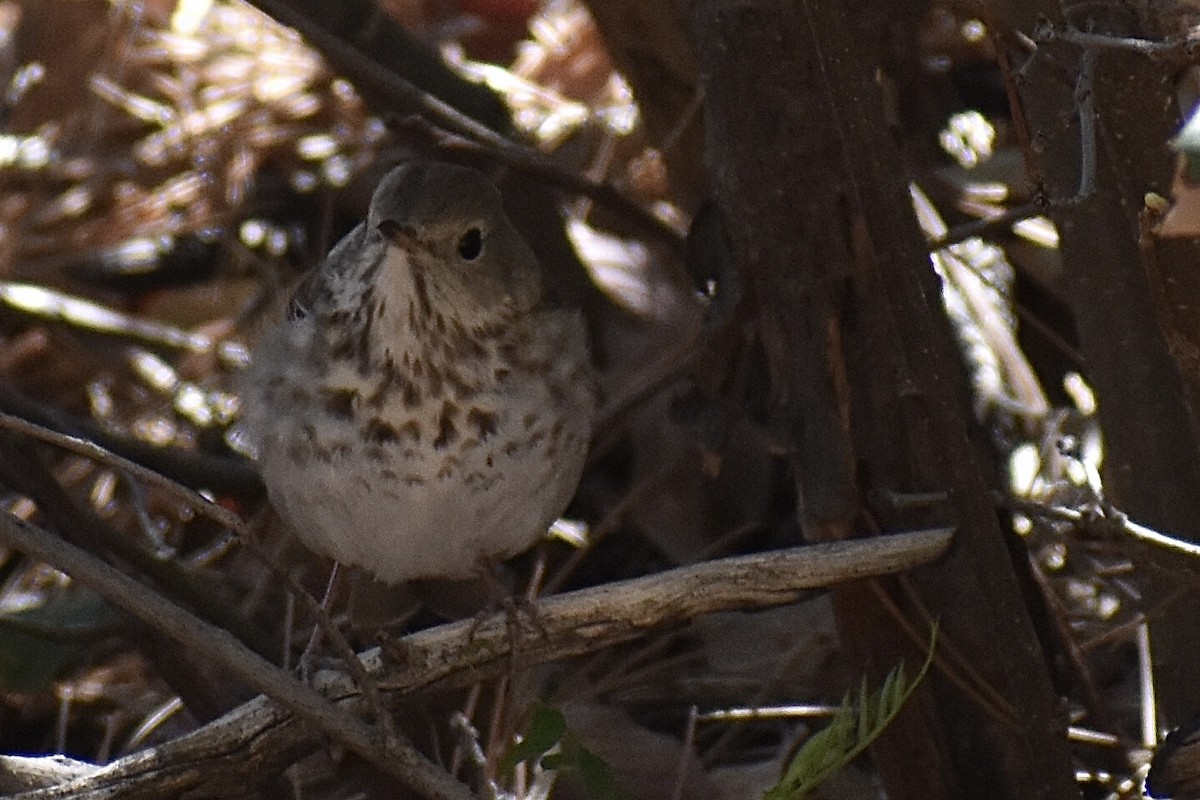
(685,751)
(362,68)
(616,612)
(528,161)
(90,450)
(951,664)
(1085,102)
(1111,517)
(1147,699)
(51,305)
(402,761)
(1181,49)
(225,475)
(445,117)
(222,517)
(465,652)
(1000,223)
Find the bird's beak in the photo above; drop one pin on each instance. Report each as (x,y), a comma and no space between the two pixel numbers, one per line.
(399,234)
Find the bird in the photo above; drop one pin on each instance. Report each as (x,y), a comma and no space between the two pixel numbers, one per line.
(423,408)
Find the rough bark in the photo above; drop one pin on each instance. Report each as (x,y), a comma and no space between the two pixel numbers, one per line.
(866,380)
(1142,367)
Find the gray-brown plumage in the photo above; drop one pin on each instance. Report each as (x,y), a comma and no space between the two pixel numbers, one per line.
(422,409)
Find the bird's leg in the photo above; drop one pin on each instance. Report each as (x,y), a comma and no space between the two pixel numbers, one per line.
(515,605)
(314,640)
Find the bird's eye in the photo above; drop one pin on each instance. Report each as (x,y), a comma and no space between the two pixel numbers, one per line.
(470,244)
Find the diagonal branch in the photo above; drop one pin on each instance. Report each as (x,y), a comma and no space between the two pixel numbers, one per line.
(265,735)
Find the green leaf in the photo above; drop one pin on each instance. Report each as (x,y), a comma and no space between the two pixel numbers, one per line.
(853,727)
(545,729)
(599,783)
(548,741)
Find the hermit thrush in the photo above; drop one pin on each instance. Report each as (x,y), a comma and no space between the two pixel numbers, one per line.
(423,409)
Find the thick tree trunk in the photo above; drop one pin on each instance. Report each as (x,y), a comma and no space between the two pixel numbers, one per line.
(866,379)
(1127,293)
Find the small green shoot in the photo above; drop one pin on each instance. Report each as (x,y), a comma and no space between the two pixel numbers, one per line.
(546,729)
(852,729)
(549,742)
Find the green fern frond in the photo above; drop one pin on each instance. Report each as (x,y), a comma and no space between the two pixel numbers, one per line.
(853,727)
